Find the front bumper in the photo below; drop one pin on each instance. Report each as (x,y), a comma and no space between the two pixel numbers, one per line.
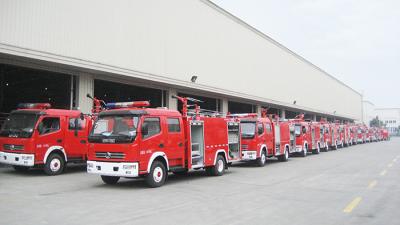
(17,159)
(113,169)
(249,155)
(299,148)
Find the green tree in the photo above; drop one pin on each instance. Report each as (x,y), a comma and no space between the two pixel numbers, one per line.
(376,122)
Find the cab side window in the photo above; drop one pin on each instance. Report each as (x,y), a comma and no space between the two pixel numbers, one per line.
(76,124)
(268,127)
(173,125)
(260,128)
(49,125)
(153,127)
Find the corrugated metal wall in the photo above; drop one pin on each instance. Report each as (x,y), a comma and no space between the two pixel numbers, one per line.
(174,39)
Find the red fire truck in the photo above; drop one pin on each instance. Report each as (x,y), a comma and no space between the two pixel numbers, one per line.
(262,138)
(361,134)
(353,134)
(325,135)
(130,140)
(341,132)
(334,136)
(307,139)
(37,135)
(385,134)
(373,134)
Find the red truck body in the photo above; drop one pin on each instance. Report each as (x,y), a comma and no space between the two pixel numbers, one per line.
(361,134)
(385,134)
(146,142)
(262,138)
(307,136)
(41,136)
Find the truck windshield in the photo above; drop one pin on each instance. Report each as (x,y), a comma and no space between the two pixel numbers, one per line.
(19,125)
(297,130)
(114,129)
(248,129)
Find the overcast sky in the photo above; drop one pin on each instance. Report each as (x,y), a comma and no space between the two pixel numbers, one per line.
(358,42)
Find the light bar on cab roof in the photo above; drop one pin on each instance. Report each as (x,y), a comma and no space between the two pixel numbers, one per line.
(34,106)
(243,115)
(118,105)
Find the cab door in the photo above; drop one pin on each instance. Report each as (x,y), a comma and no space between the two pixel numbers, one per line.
(49,135)
(153,139)
(76,135)
(175,141)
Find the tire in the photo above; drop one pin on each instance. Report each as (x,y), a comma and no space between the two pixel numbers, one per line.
(110,180)
(318,150)
(55,165)
(335,147)
(21,168)
(157,176)
(219,168)
(284,157)
(262,160)
(304,152)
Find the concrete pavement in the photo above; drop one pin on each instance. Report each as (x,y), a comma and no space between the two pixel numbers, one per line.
(355,185)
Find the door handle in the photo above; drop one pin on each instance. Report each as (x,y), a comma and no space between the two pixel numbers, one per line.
(180,144)
(83,142)
(59,140)
(161,145)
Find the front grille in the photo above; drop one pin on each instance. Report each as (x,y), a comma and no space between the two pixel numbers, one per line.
(110,155)
(13,147)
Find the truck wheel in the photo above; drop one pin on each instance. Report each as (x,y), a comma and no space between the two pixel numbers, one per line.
(304,152)
(157,175)
(21,168)
(219,168)
(54,165)
(262,160)
(284,157)
(110,180)
(318,150)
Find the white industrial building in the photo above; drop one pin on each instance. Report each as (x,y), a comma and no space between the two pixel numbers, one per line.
(390,117)
(58,51)
(368,112)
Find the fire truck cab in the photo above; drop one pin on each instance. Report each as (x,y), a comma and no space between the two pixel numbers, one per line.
(341,135)
(130,140)
(262,138)
(361,134)
(306,138)
(36,135)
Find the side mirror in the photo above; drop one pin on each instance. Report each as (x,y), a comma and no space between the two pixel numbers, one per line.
(304,130)
(260,130)
(82,116)
(145,130)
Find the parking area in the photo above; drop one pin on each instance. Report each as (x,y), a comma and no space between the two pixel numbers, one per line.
(355,185)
